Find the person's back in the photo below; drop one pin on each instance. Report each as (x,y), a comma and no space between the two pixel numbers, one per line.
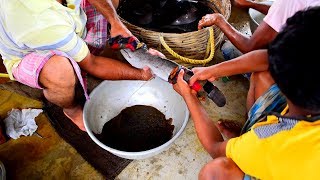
(281,10)
(277,146)
(287,145)
(273,149)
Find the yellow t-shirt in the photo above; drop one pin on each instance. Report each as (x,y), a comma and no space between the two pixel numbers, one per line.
(35,25)
(279,148)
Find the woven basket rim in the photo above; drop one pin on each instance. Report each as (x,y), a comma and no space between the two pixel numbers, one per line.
(226,16)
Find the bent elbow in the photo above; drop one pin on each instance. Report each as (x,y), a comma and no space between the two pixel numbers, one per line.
(249,47)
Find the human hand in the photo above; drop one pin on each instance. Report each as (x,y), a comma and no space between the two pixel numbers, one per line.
(146,73)
(241,3)
(182,86)
(209,20)
(202,73)
(156,53)
(120,29)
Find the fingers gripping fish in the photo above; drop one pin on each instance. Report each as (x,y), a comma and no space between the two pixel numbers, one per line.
(168,71)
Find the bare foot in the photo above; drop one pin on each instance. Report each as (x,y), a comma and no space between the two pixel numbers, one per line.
(75,115)
(229,128)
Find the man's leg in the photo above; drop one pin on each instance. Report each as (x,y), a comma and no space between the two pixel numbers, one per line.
(264,97)
(260,82)
(221,168)
(58,80)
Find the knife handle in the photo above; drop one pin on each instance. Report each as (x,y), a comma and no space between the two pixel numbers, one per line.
(212,91)
(187,75)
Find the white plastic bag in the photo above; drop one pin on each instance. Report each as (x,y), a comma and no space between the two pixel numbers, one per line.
(21,122)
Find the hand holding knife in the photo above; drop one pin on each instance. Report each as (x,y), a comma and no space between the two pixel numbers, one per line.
(168,70)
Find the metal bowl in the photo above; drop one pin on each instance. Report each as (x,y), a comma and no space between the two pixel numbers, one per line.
(110,97)
(256,17)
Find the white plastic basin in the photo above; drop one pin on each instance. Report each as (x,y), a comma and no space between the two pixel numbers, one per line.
(110,97)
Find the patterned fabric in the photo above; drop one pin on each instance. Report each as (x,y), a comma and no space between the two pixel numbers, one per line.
(272,101)
(59,31)
(280,147)
(29,68)
(247,177)
(284,124)
(120,42)
(97,28)
(43,25)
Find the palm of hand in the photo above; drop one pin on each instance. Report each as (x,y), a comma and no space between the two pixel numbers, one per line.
(208,20)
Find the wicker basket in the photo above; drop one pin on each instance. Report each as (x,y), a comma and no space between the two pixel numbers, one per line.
(193,45)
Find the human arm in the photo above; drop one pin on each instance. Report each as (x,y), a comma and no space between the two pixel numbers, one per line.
(254,61)
(261,7)
(106,8)
(107,68)
(263,35)
(207,132)
(101,67)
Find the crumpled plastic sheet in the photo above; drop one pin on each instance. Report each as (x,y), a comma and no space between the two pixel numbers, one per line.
(21,122)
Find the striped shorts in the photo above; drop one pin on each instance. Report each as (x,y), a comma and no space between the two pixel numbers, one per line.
(271,101)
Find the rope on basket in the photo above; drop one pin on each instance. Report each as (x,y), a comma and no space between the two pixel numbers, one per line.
(3,75)
(210,47)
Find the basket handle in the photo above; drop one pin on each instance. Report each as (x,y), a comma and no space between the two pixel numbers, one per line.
(210,47)
(4,75)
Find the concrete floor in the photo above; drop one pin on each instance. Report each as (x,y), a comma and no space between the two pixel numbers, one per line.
(183,160)
(32,157)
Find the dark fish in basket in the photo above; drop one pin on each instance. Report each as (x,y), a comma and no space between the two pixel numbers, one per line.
(168,71)
(171,16)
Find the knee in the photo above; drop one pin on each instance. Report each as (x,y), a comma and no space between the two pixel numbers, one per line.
(264,76)
(221,168)
(58,72)
(215,169)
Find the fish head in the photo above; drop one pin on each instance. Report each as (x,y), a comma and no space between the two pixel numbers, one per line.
(141,58)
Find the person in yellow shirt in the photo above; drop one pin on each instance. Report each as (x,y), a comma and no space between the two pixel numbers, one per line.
(50,44)
(283,145)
